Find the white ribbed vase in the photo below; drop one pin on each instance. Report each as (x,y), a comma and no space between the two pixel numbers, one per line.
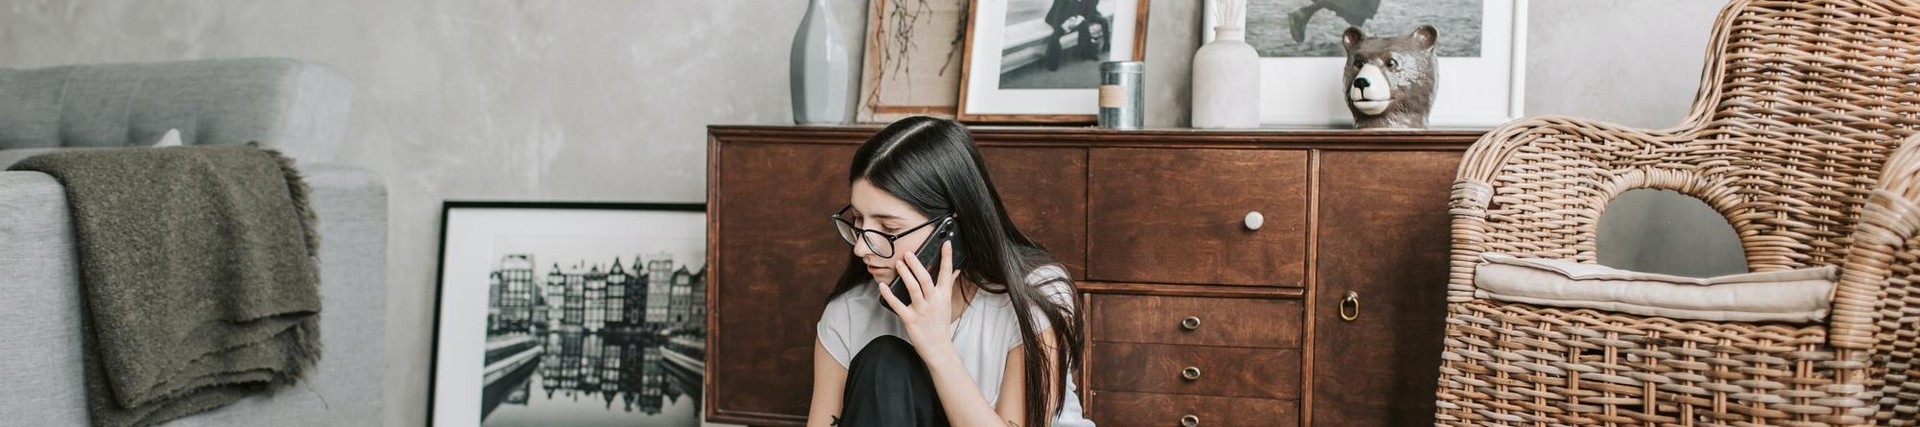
(1226,82)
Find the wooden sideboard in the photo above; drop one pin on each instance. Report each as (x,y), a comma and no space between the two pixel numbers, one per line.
(1329,313)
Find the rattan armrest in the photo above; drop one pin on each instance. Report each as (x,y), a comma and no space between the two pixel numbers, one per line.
(1876,282)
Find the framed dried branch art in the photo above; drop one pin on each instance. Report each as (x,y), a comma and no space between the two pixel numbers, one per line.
(912,61)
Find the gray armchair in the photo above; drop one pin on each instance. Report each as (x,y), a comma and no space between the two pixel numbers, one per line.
(298,108)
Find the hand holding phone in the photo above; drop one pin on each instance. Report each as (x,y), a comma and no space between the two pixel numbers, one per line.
(936,286)
(948,230)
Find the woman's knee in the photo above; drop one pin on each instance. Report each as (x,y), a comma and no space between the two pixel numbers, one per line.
(886,352)
(885,347)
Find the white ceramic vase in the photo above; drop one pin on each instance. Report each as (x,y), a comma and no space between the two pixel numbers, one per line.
(1226,82)
(821,68)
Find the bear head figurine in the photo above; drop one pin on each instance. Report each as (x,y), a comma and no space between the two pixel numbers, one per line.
(1390,80)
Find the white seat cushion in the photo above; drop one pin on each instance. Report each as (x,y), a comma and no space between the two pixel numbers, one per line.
(1801,296)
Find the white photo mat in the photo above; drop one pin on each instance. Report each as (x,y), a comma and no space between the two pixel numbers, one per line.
(982,95)
(1477,92)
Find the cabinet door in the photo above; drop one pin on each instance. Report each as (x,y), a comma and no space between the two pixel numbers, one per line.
(776,257)
(1383,237)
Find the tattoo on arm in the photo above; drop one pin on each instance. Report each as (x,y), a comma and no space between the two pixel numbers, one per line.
(1010,423)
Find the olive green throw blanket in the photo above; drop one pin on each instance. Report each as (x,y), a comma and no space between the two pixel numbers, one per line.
(198,273)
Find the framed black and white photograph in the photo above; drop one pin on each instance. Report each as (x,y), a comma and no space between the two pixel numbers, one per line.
(570,314)
(1481,48)
(1038,61)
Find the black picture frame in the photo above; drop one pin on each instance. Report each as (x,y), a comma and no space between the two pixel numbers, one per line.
(448,209)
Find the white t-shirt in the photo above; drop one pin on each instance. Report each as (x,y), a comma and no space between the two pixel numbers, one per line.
(983,334)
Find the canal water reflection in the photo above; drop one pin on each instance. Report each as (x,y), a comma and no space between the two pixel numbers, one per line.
(604,379)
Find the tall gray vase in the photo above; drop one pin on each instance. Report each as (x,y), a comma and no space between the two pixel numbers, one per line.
(822,68)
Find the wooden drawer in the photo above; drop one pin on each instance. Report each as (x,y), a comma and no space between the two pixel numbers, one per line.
(1234,322)
(1146,409)
(1176,216)
(1223,371)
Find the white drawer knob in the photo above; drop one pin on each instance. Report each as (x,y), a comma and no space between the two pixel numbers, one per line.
(1255,220)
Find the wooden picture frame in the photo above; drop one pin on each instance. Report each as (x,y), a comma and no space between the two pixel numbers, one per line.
(1007,85)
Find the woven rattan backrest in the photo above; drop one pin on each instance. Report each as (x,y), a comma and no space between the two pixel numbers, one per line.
(1812,96)
(1800,105)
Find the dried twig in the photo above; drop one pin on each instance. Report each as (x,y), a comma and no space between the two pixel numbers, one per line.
(959,37)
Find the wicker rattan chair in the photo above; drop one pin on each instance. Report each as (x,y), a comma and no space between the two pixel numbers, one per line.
(1796,137)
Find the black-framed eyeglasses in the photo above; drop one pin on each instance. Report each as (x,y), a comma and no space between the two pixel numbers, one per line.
(879,242)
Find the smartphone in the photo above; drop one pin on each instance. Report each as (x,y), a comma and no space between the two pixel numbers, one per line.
(948,230)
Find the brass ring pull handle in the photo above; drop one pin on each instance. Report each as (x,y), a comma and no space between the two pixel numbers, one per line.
(1190,323)
(1191,373)
(1353,301)
(1189,421)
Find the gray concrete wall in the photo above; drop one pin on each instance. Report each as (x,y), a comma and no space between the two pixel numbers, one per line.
(1632,62)
(607,100)
(1636,63)
(597,100)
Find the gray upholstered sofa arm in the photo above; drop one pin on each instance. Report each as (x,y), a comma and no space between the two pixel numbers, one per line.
(40,309)
(39,304)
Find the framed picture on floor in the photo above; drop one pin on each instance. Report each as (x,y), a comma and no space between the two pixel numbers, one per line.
(569,314)
(1481,47)
(1038,61)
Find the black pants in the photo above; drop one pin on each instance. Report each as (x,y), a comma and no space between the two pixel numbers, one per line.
(888,385)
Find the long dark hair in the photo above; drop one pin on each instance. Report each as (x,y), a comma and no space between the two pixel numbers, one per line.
(933,165)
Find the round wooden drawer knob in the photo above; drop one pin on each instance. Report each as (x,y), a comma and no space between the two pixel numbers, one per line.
(1190,323)
(1254,220)
(1189,421)
(1191,373)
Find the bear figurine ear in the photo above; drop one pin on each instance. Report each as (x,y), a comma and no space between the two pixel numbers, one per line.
(1352,38)
(1426,35)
